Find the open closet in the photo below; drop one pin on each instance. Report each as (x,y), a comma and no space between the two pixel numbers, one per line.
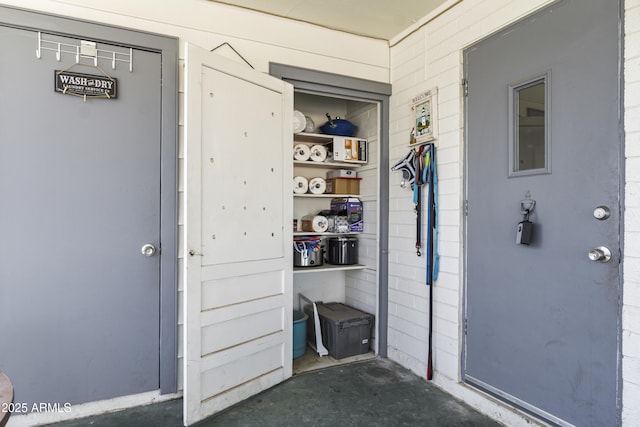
(353,269)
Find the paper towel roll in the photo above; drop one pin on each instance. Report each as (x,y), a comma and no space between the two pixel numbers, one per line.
(311,126)
(300,184)
(318,153)
(301,152)
(315,223)
(317,185)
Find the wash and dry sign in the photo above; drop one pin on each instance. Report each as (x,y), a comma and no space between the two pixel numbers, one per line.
(85,85)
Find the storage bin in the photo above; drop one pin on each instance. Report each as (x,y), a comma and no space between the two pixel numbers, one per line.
(299,333)
(346,331)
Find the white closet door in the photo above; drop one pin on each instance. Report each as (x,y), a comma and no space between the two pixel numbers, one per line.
(238,256)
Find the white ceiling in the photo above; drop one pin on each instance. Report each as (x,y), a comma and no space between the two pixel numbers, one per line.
(381,19)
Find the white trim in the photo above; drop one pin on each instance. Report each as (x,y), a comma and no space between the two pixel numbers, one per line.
(518,402)
(90,409)
(423,21)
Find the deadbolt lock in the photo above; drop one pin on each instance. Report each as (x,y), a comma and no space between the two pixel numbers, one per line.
(601,212)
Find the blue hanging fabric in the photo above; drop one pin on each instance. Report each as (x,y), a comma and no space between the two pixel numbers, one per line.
(436,254)
(417,196)
(430,177)
(426,178)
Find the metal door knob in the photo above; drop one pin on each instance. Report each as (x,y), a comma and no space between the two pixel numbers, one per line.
(600,254)
(148,250)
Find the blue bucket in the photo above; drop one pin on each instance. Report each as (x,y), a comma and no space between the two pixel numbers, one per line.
(299,333)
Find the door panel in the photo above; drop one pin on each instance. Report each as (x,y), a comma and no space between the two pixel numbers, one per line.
(239,269)
(244,218)
(542,319)
(80,184)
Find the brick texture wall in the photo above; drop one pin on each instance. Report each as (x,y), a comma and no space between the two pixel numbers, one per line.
(631,267)
(432,57)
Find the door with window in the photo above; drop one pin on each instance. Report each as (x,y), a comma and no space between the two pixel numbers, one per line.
(542,243)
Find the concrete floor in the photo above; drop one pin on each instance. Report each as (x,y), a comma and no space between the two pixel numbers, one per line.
(373,392)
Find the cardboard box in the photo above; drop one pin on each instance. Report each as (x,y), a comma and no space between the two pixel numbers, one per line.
(350,207)
(346,331)
(350,186)
(342,173)
(349,150)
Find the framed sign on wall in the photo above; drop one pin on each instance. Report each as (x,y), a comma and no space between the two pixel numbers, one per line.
(424,108)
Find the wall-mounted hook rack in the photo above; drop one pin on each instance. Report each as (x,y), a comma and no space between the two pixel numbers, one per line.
(84,50)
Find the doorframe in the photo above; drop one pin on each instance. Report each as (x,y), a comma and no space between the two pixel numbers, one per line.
(324,83)
(621,197)
(167,47)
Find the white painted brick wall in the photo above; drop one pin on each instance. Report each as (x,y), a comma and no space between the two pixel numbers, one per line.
(429,57)
(631,275)
(361,290)
(440,64)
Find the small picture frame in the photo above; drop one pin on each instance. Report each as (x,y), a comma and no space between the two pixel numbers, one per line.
(425,118)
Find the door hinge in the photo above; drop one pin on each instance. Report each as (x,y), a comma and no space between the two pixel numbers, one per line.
(464,326)
(465,87)
(466,207)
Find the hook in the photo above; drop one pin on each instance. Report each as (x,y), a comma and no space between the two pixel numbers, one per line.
(38,51)
(527,204)
(236,52)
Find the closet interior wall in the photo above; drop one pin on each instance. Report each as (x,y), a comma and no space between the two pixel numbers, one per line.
(356,288)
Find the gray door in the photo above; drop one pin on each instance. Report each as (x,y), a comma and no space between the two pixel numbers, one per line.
(80,196)
(543,125)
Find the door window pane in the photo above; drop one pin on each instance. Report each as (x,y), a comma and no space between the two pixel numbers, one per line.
(529,143)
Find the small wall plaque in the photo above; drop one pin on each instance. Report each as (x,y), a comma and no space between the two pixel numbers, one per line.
(85,85)
(424,107)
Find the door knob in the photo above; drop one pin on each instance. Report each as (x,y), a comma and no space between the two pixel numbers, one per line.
(600,254)
(148,250)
